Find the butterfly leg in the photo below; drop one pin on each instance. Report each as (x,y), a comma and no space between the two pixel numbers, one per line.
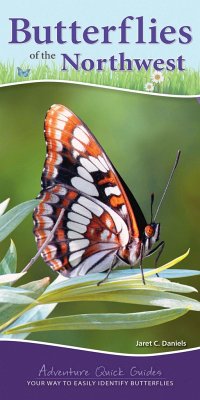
(161,248)
(108,273)
(155,249)
(141,267)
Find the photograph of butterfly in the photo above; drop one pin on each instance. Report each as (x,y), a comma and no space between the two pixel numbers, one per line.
(102,226)
(23,73)
(105,228)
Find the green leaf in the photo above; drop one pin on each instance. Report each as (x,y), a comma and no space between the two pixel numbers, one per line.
(124,291)
(9,311)
(9,264)
(17,290)
(3,206)
(168,273)
(14,295)
(36,287)
(165,266)
(102,321)
(36,313)
(66,289)
(18,314)
(10,278)
(13,217)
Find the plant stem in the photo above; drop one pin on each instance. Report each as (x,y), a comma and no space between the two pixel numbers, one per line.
(48,239)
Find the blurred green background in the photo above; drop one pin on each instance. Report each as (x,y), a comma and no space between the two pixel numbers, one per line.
(141,135)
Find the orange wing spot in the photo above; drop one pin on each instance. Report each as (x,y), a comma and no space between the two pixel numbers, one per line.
(49,252)
(41,233)
(73,121)
(46,197)
(65,203)
(65,262)
(108,221)
(56,265)
(40,210)
(43,222)
(52,157)
(63,248)
(55,189)
(41,241)
(53,145)
(66,139)
(93,148)
(56,112)
(72,195)
(39,220)
(116,201)
(109,178)
(60,234)
(50,170)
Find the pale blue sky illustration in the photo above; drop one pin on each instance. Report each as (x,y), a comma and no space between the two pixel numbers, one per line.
(105,12)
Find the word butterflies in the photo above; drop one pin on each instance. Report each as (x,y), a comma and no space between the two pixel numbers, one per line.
(23,73)
(102,225)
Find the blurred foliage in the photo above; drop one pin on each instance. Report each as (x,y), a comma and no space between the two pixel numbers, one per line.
(141,135)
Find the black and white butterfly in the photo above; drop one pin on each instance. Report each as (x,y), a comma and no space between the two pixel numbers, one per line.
(103,225)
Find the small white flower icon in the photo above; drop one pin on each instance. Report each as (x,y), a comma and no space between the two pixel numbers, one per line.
(149,87)
(157,77)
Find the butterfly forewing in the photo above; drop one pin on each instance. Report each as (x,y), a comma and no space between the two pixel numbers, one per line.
(78,176)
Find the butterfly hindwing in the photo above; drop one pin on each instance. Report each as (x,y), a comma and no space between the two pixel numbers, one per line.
(88,236)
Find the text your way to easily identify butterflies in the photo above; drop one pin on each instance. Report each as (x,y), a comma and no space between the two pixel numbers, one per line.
(102,226)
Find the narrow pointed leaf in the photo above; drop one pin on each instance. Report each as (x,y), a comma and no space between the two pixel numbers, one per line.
(9,311)
(120,275)
(16,290)
(13,296)
(9,263)
(168,273)
(64,288)
(36,313)
(13,217)
(165,266)
(22,315)
(3,206)
(9,278)
(36,287)
(135,296)
(102,321)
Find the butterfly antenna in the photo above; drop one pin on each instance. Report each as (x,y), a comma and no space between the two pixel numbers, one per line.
(168,183)
(152,202)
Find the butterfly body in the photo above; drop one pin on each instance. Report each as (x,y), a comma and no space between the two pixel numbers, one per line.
(103,225)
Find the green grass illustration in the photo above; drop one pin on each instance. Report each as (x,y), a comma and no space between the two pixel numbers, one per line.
(180,83)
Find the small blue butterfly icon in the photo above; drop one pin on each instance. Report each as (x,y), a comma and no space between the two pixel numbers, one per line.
(23,73)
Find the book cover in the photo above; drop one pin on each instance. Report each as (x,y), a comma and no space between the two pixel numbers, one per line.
(99,204)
